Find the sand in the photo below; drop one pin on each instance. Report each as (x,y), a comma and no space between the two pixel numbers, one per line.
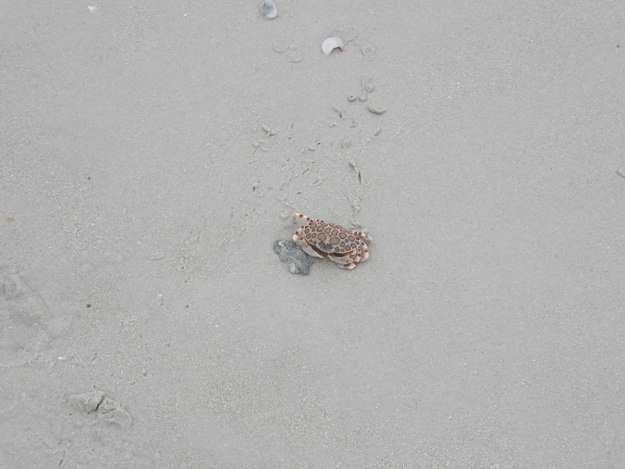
(153,153)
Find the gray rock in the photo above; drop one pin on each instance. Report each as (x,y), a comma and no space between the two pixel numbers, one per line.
(288,251)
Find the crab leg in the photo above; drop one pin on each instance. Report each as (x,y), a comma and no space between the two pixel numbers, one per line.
(353,263)
(349,261)
(308,249)
(303,217)
(298,234)
(365,237)
(341,259)
(365,251)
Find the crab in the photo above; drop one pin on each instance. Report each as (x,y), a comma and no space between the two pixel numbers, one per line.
(345,247)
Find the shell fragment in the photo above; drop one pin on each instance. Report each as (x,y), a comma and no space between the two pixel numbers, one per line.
(269,9)
(332,43)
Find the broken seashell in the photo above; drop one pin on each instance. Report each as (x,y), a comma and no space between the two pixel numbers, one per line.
(269,9)
(375,110)
(332,43)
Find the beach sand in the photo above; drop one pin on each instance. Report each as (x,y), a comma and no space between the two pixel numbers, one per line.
(153,153)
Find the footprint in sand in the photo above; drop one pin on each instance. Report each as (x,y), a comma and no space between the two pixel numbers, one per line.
(24,317)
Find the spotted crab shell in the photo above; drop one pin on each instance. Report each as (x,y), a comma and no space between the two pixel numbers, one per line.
(330,238)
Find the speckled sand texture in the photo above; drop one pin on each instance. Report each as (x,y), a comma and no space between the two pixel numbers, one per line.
(151,153)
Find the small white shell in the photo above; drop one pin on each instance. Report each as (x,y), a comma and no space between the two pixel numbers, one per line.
(332,43)
(269,9)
